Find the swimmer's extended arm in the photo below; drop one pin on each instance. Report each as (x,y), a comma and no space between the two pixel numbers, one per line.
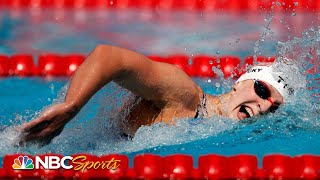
(158,82)
(164,84)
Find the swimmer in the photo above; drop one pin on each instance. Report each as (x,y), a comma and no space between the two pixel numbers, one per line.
(167,93)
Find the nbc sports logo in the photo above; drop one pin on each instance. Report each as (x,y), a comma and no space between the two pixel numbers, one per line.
(22,162)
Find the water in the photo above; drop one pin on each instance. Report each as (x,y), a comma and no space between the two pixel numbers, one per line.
(294,129)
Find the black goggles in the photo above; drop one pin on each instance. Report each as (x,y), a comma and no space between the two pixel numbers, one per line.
(263,91)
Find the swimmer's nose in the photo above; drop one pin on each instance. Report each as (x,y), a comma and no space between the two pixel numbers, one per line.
(265,105)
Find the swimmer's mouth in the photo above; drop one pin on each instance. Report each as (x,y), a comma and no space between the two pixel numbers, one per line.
(246,110)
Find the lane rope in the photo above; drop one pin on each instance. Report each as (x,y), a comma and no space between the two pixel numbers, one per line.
(24,65)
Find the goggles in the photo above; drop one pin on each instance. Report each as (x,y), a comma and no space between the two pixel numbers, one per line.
(263,91)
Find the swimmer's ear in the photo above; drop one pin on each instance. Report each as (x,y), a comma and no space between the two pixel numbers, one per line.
(234,87)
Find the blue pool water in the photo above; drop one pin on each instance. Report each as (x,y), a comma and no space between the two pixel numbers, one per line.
(294,129)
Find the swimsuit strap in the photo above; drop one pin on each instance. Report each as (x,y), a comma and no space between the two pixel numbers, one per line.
(201,108)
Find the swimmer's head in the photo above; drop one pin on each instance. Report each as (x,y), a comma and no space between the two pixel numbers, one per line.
(268,74)
(262,89)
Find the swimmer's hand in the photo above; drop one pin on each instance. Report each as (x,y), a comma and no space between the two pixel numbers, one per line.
(49,125)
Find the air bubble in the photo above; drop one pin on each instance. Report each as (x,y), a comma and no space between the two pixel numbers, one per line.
(51,86)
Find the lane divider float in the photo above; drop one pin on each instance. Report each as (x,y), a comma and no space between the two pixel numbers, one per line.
(23,65)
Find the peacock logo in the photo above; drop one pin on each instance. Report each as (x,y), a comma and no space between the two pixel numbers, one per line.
(23,162)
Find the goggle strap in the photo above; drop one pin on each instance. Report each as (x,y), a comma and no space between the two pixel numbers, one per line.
(270,100)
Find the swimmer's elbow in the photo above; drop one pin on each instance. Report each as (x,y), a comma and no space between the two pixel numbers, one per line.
(103,52)
(121,62)
(102,48)
(108,55)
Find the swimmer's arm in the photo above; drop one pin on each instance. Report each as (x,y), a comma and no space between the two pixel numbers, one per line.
(158,82)
(164,84)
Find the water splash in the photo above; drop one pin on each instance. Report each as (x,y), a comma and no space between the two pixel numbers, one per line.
(303,53)
(266,32)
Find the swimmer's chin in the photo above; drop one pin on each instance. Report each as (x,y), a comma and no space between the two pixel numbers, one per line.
(236,119)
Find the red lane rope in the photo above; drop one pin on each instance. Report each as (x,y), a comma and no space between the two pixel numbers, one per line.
(149,166)
(196,5)
(65,65)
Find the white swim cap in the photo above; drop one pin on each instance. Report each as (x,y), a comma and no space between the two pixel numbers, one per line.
(278,80)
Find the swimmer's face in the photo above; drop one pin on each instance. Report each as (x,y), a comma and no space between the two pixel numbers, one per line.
(244,102)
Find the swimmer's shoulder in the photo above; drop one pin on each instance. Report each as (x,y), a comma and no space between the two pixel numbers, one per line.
(188,98)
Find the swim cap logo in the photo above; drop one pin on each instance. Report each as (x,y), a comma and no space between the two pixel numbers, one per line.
(22,162)
(285,85)
(254,70)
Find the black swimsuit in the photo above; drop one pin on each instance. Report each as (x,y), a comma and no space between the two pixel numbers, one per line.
(202,109)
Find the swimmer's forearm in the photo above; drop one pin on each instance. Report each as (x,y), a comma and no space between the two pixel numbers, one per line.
(99,68)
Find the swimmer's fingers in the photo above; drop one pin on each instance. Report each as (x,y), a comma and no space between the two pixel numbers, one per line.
(35,125)
(36,135)
(44,120)
(35,130)
(50,124)
(41,138)
(58,114)
(49,138)
(29,138)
